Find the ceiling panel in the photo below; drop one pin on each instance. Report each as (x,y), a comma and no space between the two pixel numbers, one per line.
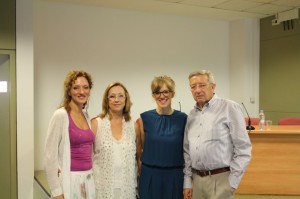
(262,1)
(238,5)
(269,9)
(213,9)
(287,2)
(203,3)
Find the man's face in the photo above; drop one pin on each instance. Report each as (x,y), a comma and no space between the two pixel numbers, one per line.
(202,90)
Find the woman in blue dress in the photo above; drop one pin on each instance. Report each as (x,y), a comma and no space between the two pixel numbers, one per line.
(162,130)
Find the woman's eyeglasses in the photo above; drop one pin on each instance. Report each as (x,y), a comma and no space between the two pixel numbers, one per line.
(164,93)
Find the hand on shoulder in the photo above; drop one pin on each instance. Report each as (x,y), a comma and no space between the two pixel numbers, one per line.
(94,124)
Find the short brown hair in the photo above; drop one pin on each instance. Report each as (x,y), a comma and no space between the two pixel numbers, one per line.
(159,81)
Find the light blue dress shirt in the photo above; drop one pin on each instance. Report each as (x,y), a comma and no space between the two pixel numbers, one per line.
(216,137)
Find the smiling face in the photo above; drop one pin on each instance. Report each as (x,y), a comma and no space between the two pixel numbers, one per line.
(116,99)
(80,91)
(202,90)
(163,97)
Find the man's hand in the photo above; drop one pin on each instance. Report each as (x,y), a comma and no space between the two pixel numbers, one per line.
(187,193)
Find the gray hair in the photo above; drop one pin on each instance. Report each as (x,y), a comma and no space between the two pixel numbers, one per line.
(203,72)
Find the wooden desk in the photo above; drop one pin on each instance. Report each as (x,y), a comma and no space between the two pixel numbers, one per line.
(275,164)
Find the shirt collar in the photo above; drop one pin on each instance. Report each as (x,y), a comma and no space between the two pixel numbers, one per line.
(208,104)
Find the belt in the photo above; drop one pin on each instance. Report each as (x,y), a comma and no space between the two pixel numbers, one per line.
(203,173)
(160,167)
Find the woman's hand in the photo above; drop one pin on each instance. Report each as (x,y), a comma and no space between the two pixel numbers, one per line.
(59,197)
(58,172)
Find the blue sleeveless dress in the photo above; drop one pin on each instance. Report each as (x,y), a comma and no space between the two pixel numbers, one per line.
(162,158)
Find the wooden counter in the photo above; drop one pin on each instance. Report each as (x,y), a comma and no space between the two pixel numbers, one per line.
(275,164)
(40,178)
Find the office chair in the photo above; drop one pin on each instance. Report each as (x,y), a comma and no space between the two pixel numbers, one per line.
(254,120)
(289,121)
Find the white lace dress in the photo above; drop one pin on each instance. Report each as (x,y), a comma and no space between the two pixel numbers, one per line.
(105,156)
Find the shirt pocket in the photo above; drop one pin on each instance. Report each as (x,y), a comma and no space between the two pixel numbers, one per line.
(219,131)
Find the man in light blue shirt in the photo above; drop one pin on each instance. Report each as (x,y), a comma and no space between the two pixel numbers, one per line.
(217,148)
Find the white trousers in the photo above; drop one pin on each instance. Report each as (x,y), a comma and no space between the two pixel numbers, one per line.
(82,185)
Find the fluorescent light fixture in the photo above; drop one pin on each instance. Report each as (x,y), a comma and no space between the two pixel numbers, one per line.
(3,86)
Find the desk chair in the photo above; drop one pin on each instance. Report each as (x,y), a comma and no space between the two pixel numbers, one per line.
(254,120)
(289,121)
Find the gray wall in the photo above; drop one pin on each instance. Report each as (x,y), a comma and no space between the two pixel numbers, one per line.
(279,69)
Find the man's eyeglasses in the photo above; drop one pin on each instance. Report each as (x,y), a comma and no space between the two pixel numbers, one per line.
(164,93)
(121,97)
(195,86)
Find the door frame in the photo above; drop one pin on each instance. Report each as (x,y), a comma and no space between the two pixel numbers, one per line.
(12,120)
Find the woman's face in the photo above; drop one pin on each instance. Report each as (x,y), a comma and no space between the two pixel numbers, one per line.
(116,99)
(80,91)
(163,97)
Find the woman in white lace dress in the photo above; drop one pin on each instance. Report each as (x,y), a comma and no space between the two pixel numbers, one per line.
(115,147)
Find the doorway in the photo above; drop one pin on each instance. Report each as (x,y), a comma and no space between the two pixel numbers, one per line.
(8,124)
